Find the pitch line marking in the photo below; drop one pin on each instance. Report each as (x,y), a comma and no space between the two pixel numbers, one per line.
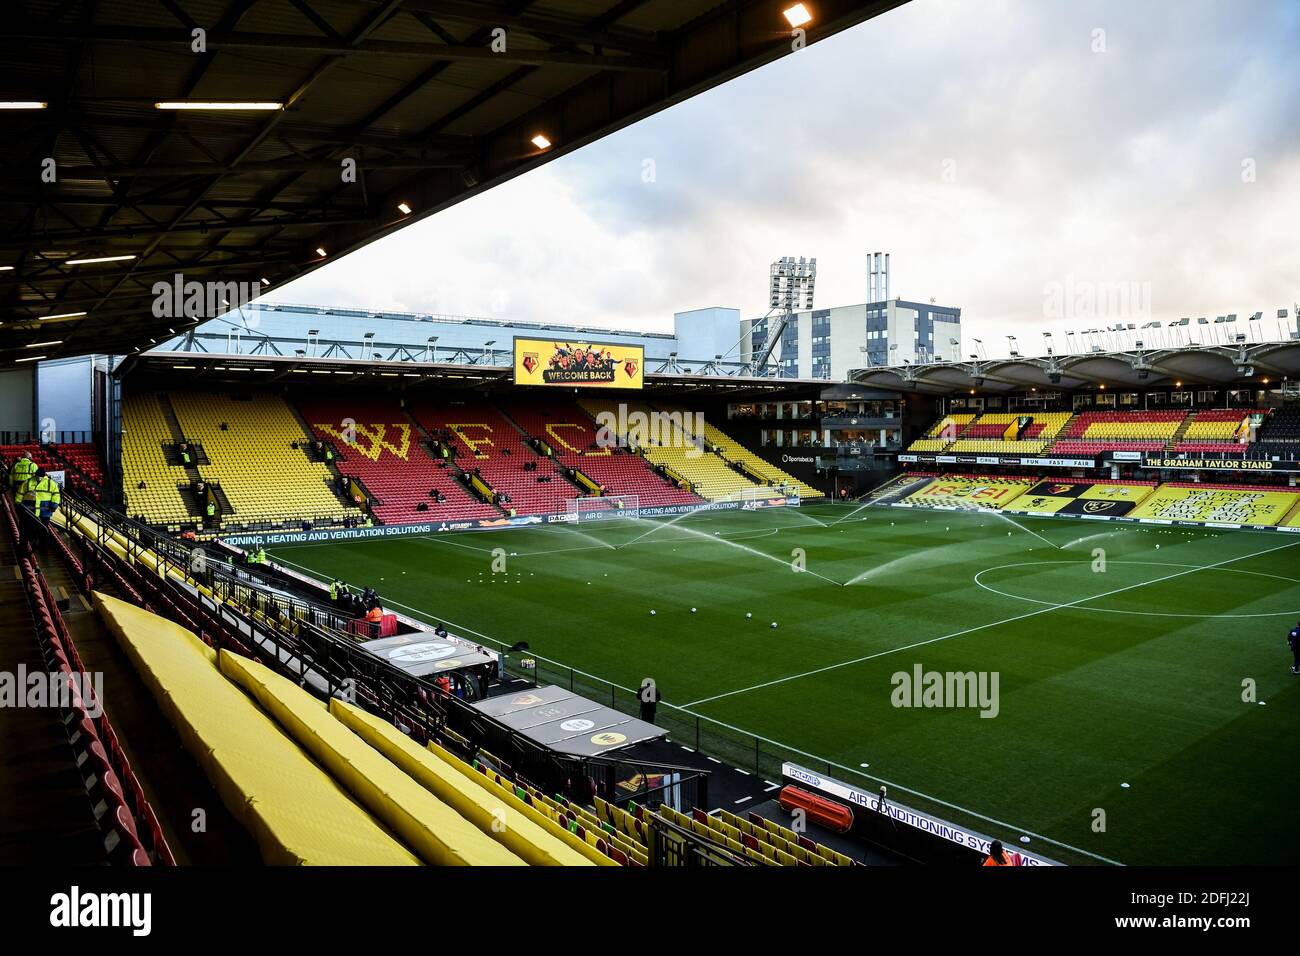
(982,627)
(850,514)
(736,536)
(1150,564)
(819,760)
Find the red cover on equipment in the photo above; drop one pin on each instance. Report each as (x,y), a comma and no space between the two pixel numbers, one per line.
(828,813)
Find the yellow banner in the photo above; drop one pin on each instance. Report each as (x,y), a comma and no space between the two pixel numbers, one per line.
(1103,491)
(1218,503)
(1039,504)
(581,364)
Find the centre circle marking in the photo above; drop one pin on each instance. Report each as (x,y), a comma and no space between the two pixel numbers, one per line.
(1083,603)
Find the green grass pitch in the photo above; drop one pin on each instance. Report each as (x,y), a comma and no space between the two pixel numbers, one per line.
(1137,674)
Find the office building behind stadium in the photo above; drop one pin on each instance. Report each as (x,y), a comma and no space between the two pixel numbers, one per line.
(830,343)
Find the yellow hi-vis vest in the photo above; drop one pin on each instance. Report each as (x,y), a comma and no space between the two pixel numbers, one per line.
(23,470)
(46,489)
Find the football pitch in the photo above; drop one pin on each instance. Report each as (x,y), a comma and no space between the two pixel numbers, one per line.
(1145,711)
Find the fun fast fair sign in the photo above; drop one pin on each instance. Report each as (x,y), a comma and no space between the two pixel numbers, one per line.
(581,364)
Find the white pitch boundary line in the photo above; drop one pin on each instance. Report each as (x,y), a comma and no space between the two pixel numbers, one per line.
(981,627)
(776,743)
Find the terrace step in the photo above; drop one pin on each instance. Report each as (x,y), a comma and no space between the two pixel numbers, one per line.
(45,814)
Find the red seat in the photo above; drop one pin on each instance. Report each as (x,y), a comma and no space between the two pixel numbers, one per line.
(390,460)
(485,440)
(571,433)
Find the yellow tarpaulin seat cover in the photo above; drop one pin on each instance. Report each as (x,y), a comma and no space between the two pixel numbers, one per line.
(503,794)
(434,830)
(504,824)
(295,812)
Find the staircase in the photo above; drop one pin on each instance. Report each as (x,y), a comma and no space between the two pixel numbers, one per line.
(178,435)
(223,503)
(192,504)
(333,466)
(1181,431)
(45,814)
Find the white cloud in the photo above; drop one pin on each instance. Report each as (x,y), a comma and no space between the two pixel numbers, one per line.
(1070,165)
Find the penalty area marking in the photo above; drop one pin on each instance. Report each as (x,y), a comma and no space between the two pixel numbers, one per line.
(1153,564)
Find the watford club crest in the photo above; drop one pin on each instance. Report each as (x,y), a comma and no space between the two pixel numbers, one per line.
(629,368)
(530,362)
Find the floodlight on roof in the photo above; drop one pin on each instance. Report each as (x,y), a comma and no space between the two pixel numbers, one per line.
(541,141)
(797,15)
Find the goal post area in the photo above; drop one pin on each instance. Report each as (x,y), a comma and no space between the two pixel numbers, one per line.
(604,507)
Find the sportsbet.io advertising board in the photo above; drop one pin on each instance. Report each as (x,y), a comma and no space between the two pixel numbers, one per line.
(581,364)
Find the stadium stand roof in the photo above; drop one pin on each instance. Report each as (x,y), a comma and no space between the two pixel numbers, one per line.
(1221,365)
(408,88)
(207,369)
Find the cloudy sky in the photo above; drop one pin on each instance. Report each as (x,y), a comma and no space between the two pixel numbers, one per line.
(1021,159)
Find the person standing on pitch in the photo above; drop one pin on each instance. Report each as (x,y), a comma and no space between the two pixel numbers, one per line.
(1293,639)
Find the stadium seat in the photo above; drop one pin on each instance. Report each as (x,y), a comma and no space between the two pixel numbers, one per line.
(389,459)
(993,433)
(733,451)
(572,434)
(249,443)
(1093,433)
(295,811)
(437,833)
(1278,436)
(486,440)
(504,824)
(149,482)
(676,446)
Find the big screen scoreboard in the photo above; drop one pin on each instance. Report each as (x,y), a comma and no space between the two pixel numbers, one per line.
(575,363)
